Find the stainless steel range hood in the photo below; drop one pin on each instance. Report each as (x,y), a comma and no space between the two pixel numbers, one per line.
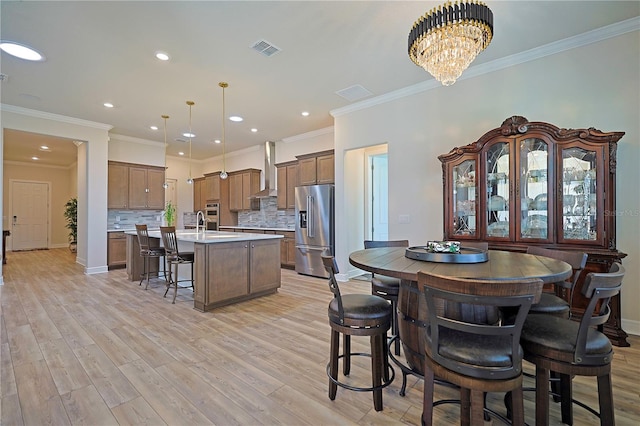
(269,172)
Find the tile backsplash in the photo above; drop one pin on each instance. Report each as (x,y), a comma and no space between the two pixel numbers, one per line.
(127,219)
(269,216)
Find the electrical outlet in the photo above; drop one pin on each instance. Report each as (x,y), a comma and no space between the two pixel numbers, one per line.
(117,218)
(404,218)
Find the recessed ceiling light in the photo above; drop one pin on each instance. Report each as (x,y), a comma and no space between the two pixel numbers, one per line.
(181,153)
(153,127)
(216,141)
(189,135)
(305,113)
(21,51)
(44,148)
(254,130)
(108,104)
(34,158)
(162,56)
(235,118)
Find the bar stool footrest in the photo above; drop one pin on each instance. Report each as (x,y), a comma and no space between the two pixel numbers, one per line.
(384,384)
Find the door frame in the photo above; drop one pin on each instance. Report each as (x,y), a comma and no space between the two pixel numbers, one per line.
(10,220)
(370,152)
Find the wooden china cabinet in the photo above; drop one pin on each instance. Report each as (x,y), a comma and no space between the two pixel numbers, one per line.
(532,183)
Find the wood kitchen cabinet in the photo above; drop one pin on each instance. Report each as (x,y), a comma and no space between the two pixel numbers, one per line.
(199,195)
(231,272)
(116,250)
(212,186)
(146,189)
(288,249)
(135,186)
(287,176)
(316,168)
(242,185)
(532,183)
(118,186)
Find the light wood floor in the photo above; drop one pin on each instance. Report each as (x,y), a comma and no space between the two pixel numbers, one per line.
(97,350)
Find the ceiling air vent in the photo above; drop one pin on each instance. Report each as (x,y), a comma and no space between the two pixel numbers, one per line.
(266,48)
(354,93)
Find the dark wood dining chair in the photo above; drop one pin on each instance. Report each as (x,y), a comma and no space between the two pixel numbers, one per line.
(552,302)
(572,348)
(388,287)
(147,253)
(175,258)
(475,354)
(358,315)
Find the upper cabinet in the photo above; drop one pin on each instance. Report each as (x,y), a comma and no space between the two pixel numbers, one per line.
(532,183)
(212,186)
(287,176)
(199,196)
(316,168)
(135,186)
(118,186)
(242,185)
(145,187)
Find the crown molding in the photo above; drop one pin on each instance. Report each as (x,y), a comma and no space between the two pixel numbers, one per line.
(309,135)
(54,117)
(590,37)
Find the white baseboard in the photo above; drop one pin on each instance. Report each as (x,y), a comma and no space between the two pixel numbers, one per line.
(631,327)
(343,278)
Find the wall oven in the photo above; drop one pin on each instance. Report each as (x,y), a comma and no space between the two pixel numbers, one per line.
(212,216)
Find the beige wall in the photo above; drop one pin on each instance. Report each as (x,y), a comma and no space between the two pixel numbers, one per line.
(597,85)
(62,187)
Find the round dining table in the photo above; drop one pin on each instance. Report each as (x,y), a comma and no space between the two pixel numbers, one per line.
(412,314)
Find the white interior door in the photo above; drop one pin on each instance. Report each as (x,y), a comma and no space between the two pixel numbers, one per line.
(29,216)
(376,207)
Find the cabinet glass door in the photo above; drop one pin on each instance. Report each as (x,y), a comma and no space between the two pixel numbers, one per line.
(498,190)
(464,198)
(534,201)
(579,199)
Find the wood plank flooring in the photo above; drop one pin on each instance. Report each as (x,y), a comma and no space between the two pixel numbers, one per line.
(100,350)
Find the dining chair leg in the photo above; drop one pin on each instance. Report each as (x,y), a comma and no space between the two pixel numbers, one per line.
(477,407)
(346,351)
(517,407)
(427,403)
(377,349)
(394,326)
(168,282)
(333,363)
(465,407)
(542,396)
(605,398)
(566,398)
(175,284)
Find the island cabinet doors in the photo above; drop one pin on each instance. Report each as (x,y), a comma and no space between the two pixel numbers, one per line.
(230,272)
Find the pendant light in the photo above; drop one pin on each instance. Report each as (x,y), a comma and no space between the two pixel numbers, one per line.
(223,174)
(190,180)
(165,185)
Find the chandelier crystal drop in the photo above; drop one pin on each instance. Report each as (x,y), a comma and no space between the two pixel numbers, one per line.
(223,174)
(447,39)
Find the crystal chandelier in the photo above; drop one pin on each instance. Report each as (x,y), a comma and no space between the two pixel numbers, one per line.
(447,39)
(224,174)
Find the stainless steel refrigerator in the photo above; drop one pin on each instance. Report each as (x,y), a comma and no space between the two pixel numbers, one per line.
(314,228)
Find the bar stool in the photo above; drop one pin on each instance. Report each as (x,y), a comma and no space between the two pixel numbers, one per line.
(388,287)
(572,348)
(479,356)
(175,258)
(147,252)
(358,315)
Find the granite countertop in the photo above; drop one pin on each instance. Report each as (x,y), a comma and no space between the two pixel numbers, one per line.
(127,228)
(212,237)
(259,228)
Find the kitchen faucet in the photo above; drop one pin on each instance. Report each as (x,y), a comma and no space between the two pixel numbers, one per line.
(204,226)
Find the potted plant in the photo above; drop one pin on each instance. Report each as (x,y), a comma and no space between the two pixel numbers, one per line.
(170,214)
(71,214)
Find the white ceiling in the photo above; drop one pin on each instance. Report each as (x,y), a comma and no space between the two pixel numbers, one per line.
(104,51)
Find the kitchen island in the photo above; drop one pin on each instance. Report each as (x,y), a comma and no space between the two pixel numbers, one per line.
(229,267)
